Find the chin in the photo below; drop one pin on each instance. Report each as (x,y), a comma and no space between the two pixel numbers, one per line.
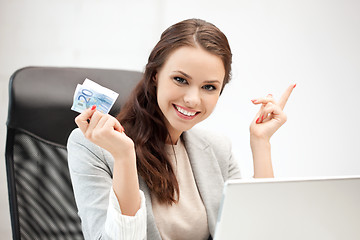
(183,127)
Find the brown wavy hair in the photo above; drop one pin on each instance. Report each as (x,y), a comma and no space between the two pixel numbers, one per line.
(141,116)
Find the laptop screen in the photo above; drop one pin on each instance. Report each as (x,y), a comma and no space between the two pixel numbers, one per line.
(321,208)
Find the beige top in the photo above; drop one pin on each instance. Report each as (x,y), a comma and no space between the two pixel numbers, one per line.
(187,219)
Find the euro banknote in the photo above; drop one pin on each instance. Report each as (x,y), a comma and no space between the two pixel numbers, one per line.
(90,93)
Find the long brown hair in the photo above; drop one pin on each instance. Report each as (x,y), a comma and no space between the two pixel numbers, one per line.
(141,116)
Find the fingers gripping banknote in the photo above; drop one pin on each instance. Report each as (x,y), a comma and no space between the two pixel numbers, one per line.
(90,93)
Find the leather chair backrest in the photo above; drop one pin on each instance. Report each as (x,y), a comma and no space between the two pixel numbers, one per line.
(42,204)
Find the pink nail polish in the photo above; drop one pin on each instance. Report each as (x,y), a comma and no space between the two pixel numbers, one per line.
(93,107)
(254,100)
(257,120)
(294,86)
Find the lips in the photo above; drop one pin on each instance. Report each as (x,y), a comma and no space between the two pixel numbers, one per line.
(188,114)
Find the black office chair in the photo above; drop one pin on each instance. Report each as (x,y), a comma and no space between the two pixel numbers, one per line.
(42,204)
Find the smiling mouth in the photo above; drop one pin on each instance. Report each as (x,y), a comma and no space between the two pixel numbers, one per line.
(185,112)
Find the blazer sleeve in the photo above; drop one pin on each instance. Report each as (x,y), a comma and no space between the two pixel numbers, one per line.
(233,168)
(228,164)
(97,204)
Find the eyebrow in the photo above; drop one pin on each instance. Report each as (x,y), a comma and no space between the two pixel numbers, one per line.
(188,76)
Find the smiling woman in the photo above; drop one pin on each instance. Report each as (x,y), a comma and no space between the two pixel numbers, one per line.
(185,96)
(147,174)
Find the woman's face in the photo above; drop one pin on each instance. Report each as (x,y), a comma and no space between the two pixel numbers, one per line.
(188,88)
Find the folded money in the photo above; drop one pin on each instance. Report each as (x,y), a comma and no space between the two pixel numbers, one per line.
(90,93)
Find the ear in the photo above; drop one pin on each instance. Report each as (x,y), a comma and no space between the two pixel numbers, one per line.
(155,79)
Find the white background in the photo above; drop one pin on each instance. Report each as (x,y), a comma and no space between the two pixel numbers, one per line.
(314,43)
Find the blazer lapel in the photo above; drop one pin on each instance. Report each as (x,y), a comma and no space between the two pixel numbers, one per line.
(207,174)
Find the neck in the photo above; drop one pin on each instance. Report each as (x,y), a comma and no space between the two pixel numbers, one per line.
(173,138)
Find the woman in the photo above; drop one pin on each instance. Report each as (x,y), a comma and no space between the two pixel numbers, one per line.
(157,179)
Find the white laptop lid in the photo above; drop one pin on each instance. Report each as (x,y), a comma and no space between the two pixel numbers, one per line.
(290,209)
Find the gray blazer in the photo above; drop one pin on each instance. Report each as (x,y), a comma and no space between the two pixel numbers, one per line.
(91,170)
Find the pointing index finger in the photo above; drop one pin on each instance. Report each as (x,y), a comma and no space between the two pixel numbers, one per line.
(286,95)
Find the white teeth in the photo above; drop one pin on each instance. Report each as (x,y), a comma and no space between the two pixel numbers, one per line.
(190,114)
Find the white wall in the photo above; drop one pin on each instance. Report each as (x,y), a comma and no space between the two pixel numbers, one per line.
(275,43)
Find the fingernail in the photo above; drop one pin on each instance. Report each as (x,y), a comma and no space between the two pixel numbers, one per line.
(254,100)
(270,94)
(257,120)
(122,129)
(262,117)
(93,107)
(294,86)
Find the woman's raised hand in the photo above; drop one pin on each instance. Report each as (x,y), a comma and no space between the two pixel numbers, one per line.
(270,116)
(105,131)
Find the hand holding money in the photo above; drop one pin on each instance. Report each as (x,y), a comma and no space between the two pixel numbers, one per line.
(89,94)
(94,102)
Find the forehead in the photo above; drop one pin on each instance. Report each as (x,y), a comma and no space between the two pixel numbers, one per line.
(196,62)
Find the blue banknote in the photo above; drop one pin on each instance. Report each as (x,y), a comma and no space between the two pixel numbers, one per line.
(90,93)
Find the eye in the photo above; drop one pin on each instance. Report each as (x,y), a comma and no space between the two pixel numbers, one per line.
(180,80)
(209,87)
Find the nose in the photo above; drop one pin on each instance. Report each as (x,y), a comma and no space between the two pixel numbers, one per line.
(192,98)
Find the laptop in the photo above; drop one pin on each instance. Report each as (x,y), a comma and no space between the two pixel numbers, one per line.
(291,209)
